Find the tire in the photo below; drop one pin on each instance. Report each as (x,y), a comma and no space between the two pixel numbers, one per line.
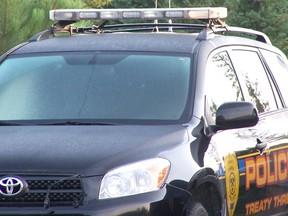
(195,208)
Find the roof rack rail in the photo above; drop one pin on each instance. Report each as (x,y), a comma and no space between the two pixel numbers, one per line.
(142,27)
(260,36)
(208,33)
(114,28)
(62,26)
(2,57)
(41,35)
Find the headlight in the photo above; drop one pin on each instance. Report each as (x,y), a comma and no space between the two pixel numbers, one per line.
(136,178)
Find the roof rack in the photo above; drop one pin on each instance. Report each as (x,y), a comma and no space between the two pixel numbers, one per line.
(65,17)
(260,36)
(208,33)
(2,57)
(132,27)
(212,17)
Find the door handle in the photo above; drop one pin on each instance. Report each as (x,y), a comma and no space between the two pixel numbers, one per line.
(260,145)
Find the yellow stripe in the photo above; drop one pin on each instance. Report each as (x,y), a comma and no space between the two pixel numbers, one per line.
(257,153)
(248,155)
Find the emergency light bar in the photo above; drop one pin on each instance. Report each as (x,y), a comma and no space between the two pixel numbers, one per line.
(145,14)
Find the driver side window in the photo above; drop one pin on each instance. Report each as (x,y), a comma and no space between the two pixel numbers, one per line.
(222,84)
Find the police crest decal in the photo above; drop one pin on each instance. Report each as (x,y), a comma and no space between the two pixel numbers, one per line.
(232,182)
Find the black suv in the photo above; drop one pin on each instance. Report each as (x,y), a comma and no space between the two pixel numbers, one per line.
(157,118)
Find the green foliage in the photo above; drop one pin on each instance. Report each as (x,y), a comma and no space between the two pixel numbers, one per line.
(21,19)
(268,16)
(97,3)
(133,4)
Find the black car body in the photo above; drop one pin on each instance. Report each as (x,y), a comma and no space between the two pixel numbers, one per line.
(88,119)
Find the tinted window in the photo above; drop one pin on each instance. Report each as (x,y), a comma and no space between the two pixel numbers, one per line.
(280,71)
(94,86)
(256,83)
(221,82)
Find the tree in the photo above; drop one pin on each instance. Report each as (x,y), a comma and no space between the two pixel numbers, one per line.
(133,4)
(268,16)
(97,3)
(21,19)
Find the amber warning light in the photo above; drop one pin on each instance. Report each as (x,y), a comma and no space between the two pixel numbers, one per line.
(138,14)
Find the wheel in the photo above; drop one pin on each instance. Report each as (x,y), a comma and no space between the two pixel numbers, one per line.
(195,208)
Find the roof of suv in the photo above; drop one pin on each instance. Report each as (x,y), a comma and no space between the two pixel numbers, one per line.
(164,42)
(144,42)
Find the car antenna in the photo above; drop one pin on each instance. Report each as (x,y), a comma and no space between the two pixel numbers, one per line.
(170,20)
(155,29)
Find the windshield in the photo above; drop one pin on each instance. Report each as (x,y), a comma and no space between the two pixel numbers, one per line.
(98,86)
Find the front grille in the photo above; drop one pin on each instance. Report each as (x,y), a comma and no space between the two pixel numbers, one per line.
(56,190)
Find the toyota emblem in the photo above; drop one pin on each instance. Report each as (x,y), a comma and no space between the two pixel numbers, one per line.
(12,186)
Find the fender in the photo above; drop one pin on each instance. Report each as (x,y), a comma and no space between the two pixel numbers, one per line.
(206,188)
(206,175)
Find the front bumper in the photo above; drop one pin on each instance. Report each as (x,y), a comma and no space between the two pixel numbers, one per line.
(169,201)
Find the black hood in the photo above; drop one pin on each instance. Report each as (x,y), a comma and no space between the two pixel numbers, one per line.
(82,149)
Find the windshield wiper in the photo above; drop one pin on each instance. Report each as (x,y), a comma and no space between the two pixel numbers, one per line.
(9,123)
(71,122)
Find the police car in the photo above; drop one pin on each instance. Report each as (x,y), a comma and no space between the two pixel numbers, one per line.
(153,118)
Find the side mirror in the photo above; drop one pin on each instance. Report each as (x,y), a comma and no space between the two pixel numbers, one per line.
(233,115)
